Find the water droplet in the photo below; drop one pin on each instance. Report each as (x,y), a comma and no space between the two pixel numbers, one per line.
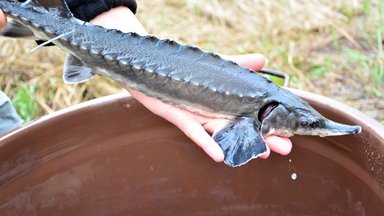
(290,160)
(293,176)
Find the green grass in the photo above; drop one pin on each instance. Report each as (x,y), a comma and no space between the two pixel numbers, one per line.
(25,103)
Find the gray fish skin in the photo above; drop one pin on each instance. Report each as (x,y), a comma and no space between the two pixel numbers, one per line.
(181,75)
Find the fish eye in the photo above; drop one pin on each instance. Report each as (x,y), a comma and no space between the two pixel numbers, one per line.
(304,123)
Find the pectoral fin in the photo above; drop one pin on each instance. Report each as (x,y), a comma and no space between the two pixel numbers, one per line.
(240,141)
(75,71)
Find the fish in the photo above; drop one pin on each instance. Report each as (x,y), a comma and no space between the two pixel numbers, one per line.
(181,75)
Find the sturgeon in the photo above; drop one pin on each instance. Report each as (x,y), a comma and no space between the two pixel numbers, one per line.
(181,75)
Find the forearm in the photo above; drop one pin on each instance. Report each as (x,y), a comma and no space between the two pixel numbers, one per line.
(120,18)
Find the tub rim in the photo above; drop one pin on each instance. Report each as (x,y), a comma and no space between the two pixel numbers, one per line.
(353,114)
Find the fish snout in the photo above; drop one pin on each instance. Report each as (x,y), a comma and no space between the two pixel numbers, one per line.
(332,128)
(356,129)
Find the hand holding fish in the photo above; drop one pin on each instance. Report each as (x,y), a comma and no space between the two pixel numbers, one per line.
(246,112)
(195,126)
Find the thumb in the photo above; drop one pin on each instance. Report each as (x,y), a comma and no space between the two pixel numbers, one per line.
(252,61)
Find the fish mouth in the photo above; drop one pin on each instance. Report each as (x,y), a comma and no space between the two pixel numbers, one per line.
(266,110)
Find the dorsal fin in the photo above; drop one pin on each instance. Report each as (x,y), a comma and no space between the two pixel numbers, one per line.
(58,5)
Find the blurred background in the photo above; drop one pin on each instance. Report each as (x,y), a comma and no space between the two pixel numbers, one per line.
(330,47)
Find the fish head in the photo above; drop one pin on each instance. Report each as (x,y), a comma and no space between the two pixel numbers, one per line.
(283,120)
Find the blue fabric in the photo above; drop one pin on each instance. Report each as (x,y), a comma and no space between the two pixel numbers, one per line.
(9,119)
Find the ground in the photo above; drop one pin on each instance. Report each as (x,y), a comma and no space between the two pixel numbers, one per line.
(330,47)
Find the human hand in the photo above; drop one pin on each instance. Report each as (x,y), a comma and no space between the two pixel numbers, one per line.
(198,127)
(3,20)
(193,125)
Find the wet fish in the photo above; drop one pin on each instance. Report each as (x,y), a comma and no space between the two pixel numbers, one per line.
(182,75)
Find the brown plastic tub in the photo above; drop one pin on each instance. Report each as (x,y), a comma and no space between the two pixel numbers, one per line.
(111,156)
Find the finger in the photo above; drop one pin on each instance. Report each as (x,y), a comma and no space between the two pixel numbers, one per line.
(252,61)
(212,125)
(199,136)
(185,122)
(266,154)
(281,145)
(2,20)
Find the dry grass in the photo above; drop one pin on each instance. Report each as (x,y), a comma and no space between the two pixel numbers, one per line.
(331,47)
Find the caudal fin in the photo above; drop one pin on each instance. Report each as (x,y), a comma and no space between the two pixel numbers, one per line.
(240,141)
